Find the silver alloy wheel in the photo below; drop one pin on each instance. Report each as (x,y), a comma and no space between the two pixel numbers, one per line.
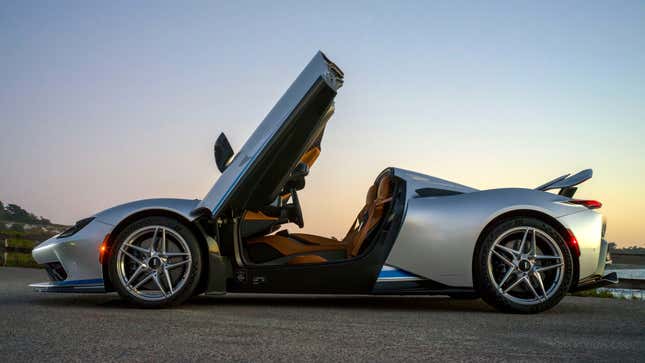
(154,263)
(526,265)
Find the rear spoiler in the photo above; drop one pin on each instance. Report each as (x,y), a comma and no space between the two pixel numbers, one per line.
(567,183)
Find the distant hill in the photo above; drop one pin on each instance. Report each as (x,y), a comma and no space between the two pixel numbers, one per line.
(14,218)
(15,213)
(23,230)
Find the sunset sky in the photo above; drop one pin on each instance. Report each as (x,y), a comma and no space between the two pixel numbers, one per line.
(105,103)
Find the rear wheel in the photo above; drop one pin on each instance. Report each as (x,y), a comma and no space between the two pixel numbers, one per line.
(155,262)
(523,265)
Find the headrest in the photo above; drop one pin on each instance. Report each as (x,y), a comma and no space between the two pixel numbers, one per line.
(385,188)
(371,195)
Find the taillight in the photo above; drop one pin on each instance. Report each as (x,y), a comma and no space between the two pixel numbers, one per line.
(573,243)
(591,204)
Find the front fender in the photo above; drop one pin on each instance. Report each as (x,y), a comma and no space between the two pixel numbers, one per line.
(113,216)
(79,253)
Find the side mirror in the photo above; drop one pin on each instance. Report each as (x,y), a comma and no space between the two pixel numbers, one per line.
(301,170)
(297,178)
(223,152)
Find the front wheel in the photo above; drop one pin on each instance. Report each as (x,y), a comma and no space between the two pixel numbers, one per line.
(155,262)
(523,265)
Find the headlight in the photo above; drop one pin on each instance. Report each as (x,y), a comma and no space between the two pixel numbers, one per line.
(75,228)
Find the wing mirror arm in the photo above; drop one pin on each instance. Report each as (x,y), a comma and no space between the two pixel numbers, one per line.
(293,210)
(297,178)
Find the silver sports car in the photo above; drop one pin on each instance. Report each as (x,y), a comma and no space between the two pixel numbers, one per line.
(521,250)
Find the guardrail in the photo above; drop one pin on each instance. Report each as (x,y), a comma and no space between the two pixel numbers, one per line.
(637,259)
(5,249)
(624,283)
(627,282)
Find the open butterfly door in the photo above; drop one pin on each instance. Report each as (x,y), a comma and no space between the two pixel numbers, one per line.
(256,175)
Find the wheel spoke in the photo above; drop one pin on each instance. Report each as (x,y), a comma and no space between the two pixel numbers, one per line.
(132,256)
(506,261)
(528,283)
(177,264)
(513,285)
(135,274)
(543,257)
(533,250)
(140,249)
(550,267)
(526,233)
(508,250)
(154,238)
(163,240)
(155,277)
(538,277)
(146,279)
(174,254)
(505,278)
(165,272)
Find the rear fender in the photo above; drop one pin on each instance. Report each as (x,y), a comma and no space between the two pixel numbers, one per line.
(586,226)
(439,234)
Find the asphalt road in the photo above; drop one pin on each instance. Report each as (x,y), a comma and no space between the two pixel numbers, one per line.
(37,326)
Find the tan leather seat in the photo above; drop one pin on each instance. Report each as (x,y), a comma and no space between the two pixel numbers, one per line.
(310,156)
(258,216)
(305,246)
(306,259)
(369,201)
(313,239)
(288,246)
(374,215)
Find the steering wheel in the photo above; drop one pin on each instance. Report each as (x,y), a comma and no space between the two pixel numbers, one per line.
(296,217)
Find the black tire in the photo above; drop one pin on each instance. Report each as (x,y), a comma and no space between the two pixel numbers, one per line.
(486,287)
(201,288)
(194,270)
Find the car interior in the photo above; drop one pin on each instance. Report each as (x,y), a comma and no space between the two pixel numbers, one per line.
(265,244)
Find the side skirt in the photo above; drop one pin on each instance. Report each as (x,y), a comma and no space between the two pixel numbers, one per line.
(78,286)
(393,281)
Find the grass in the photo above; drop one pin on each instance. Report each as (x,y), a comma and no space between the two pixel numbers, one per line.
(606,294)
(20,260)
(15,259)
(26,240)
(594,293)
(21,243)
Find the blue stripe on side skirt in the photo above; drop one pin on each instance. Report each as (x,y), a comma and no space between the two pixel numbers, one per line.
(389,272)
(78,282)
